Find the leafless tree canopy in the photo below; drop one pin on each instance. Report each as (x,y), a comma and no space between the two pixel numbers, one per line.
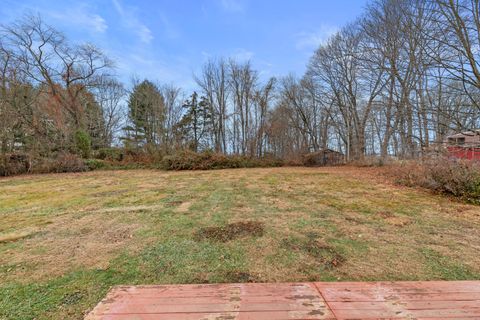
(395,81)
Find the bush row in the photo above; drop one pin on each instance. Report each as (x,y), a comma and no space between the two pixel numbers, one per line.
(13,164)
(187,160)
(455,177)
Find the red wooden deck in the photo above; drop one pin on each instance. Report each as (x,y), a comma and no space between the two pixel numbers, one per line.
(316,300)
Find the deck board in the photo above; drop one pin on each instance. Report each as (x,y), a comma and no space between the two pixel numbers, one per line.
(319,300)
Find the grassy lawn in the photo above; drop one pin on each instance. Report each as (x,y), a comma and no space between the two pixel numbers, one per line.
(65,239)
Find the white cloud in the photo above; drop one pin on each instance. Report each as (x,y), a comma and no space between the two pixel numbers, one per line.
(232,5)
(242,54)
(158,66)
(131,21)
(311,40)
(81,16)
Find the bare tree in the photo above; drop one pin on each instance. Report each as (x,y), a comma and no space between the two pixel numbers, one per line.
(214,84)
(111,94)
(354,85)
(263,99)
(62,70)
(458,31)
(173,99)
(243,81)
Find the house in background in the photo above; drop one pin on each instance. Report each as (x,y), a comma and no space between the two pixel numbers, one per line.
(464,145)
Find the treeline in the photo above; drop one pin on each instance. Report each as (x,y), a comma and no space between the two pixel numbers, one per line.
(394,82)
(229,114)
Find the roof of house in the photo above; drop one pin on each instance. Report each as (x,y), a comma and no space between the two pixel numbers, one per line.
(469,133)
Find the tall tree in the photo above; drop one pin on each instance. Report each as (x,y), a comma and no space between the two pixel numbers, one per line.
(196,124)
(146,113)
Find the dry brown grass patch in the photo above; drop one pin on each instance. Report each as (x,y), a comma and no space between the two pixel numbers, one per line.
(15,236)
(240,277)
(90,241)
(393,219)
(183,207)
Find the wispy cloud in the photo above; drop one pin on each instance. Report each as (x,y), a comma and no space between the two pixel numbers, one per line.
(311,40)
(242,54)
(131,21)
(232,5)
(145,64)
(81,16)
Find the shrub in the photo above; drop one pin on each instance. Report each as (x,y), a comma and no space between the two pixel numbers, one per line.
(293,162)
(110,154)
(325,157)
(63,162)
(95,164)
(83,143)
(459,178)
(16,163)
(140,158)
(188,160)
(371,161)
(67,162)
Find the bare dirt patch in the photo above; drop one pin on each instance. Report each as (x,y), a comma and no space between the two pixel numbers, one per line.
(183,207)
(394,220)
(231,231)
(173,203)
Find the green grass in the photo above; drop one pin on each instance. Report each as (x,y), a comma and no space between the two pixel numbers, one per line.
(69,238)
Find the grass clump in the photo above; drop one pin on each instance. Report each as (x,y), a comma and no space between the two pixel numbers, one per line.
(444,268)
(231,231)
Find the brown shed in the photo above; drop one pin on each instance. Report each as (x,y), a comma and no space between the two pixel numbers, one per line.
(324,157)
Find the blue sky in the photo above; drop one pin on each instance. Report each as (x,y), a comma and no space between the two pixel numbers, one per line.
(168,40)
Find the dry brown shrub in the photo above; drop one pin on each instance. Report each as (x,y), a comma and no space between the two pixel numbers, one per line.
(63,162)
(13,164)
(188,160)
(455,177)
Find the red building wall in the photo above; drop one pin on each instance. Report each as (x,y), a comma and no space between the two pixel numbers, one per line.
(464,153)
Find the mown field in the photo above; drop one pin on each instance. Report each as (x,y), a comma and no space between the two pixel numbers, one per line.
(65,239)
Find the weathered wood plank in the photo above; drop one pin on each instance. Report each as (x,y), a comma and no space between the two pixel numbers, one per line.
(320,300)
(437,305)
(218,316)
